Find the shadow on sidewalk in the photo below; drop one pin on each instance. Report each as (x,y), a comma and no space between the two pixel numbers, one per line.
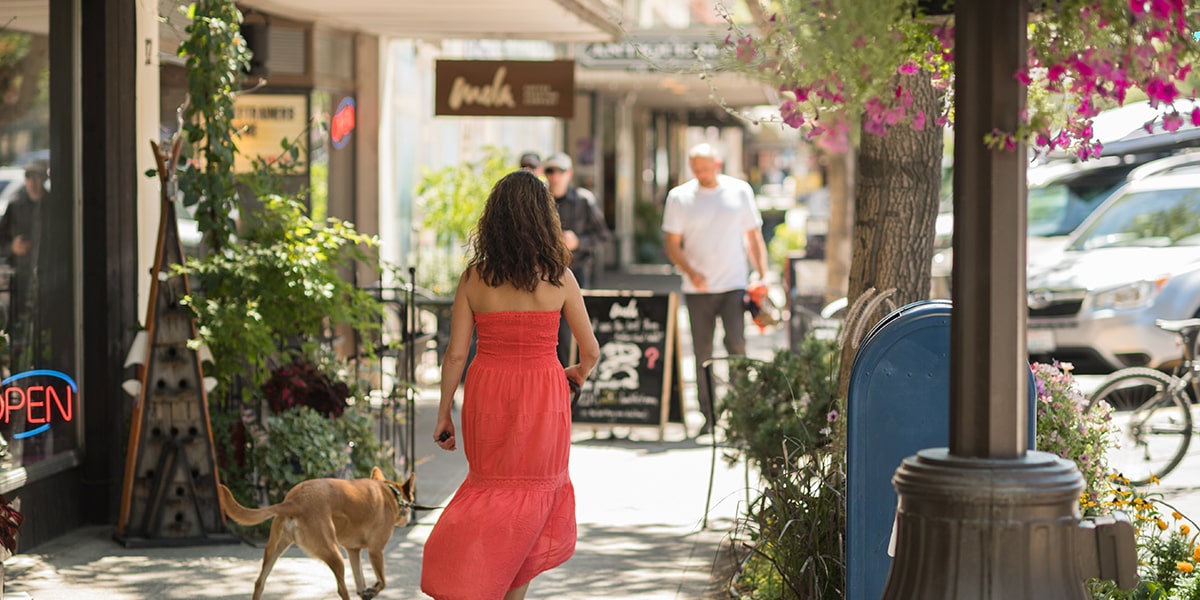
(606,568)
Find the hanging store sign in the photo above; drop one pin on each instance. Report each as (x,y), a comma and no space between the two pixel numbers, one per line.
(264,122)
(651,52)
(505,88)
(37,398)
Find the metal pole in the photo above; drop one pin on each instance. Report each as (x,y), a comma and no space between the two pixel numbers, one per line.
(988,376)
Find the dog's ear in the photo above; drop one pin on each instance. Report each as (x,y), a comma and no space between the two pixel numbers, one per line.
(410,482)
(377,474)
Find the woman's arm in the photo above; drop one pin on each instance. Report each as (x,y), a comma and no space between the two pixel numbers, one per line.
(581,328)
(462,326)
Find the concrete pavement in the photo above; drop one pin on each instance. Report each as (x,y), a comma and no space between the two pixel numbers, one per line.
(640,510)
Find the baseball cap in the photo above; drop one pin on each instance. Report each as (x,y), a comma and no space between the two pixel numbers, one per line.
(558,160)
(37,167)
(530,160)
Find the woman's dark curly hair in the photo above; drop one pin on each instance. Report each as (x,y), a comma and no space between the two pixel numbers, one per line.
(519,239)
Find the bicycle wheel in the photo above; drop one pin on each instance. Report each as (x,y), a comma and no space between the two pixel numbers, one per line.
(1151,419)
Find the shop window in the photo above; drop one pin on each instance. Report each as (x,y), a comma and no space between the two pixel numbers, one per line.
(38,395)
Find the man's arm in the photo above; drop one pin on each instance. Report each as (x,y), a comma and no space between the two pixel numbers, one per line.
(756,249)
(674,247)
(595,230)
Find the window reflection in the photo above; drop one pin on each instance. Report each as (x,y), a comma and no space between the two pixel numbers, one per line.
(36,251)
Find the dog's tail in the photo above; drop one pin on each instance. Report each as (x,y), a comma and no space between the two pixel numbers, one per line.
(239,513)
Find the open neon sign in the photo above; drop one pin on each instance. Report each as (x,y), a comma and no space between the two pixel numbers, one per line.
(43,404)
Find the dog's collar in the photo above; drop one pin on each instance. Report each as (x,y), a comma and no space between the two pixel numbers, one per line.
(402,503)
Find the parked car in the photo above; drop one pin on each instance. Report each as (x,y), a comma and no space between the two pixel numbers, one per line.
(1062,194)
(1136,259)
(12,179)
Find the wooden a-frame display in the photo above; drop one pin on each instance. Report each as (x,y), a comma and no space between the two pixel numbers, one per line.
(169,496)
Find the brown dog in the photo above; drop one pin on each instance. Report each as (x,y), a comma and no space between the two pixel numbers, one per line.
(321,514)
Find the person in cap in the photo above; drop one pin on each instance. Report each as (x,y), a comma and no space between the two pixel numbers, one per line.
(713,234)
(584,229)
(530,161)
(20,233)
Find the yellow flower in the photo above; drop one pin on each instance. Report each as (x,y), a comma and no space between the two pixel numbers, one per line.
(1153,479)
(1196,554)
(1161,524)
(1184,566)
(1176,515)
(1184,529)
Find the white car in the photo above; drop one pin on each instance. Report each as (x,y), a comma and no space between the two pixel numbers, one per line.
(1136,259)
(12,179)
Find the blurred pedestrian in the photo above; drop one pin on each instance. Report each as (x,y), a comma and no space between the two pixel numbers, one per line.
(514,515)
(530,161)
(713,234)
(584,229)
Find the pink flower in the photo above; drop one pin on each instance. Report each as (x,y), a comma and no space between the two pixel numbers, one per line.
(791,114)
(908,68)
(918,122)
(1172,121)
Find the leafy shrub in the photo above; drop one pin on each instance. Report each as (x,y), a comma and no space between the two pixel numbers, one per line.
(300,383)
(277,292)
(783,415)
(296,445)
(790,399)
(356,429)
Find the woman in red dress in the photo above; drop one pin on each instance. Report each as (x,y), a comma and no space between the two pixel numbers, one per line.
(514,515)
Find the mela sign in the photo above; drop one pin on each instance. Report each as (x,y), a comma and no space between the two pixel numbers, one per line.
(37,398)
(505,88)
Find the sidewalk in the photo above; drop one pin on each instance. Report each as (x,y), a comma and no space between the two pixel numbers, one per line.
(640,510)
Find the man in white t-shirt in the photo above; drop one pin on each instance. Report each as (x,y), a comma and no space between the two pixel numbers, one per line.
(713,235)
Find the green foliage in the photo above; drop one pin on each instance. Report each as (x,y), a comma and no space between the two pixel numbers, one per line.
(791,399)
(785,241)
(356,428)
(451,200)
(278,291)
(647,232)
(296,445)
(216,55)
(300,444)
(783,416)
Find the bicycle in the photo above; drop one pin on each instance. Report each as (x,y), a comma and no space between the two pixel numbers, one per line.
(1152,410)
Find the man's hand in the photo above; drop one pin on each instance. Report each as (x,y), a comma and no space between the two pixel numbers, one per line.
(21,245)
(698,281)
(571,239)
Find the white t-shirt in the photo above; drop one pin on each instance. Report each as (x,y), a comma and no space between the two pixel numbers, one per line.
(713,223)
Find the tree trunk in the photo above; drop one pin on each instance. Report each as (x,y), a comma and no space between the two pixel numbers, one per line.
(896,205)
(840,179)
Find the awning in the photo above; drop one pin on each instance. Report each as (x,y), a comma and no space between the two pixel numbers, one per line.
(547,20)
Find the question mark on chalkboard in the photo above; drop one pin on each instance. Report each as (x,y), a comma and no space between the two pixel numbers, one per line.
(651,356)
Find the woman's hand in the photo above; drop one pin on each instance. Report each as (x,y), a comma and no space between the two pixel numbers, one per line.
(576,374)
(443,435)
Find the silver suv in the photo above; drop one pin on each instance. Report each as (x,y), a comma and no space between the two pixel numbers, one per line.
(1134,260)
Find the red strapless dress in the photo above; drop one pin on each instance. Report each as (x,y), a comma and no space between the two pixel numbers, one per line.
(514,515)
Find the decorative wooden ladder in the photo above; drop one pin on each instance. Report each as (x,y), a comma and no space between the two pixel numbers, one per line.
(169,495)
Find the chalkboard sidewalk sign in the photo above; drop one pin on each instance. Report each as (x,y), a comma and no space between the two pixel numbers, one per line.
(637,380)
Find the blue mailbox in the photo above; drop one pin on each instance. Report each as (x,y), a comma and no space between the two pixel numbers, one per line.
(899,403)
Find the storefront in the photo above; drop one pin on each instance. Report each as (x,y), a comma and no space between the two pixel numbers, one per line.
(84,88)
